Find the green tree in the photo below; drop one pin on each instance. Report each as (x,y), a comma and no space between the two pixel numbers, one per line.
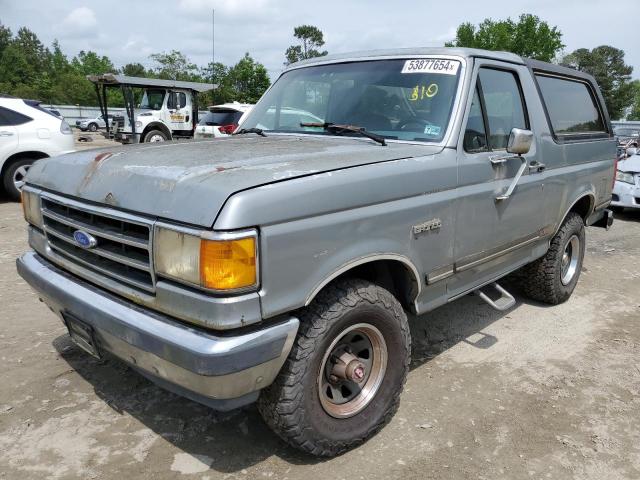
(135,70)
(248,79)
(634,114)
(90,63)
(24,61)
(220,76)
(529,37)
(174,66)
(5,38)
(606,64)
(311,39)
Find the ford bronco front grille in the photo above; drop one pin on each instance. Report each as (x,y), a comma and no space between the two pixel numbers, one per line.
(121,244)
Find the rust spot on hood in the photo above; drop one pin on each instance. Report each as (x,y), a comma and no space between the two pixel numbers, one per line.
(102,156)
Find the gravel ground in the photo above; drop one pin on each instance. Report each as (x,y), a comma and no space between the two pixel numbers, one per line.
(537,392)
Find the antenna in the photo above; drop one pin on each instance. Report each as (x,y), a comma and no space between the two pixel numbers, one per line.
(213,44)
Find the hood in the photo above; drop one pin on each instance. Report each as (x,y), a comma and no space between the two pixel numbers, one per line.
(630,164)
(190,181)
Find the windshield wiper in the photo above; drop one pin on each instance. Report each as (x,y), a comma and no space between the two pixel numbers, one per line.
(257,131)
(342,129)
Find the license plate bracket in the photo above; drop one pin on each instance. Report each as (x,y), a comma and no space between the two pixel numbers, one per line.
(82,334)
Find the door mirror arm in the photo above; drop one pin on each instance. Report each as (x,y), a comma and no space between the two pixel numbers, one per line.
(519,143)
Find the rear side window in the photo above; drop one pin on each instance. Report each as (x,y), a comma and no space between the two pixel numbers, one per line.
(9,117)
(573,111)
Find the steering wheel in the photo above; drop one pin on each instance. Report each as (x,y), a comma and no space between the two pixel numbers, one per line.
(420,122)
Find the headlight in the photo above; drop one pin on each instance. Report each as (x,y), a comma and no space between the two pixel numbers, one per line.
(211,260)
(138,125)
(31,207)
(625,177)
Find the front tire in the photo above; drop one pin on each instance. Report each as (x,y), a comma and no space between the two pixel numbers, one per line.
(155,136)
(342,381)
(93,127)
(552,278)
(14,177)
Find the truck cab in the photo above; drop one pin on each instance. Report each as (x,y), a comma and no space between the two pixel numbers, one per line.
(166,109)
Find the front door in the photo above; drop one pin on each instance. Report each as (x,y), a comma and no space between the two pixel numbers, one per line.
(180,115)
(493,232)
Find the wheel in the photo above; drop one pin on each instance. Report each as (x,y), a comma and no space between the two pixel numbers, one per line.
(155,136)
(343,378)
(552,278)
(14,177)
(93,127)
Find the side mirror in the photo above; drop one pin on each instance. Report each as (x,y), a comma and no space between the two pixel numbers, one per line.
(520,141)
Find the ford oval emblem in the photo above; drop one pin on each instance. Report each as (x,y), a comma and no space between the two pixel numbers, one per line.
(84,239)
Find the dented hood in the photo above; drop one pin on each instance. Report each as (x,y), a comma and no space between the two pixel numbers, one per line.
(630,164)
(190,181)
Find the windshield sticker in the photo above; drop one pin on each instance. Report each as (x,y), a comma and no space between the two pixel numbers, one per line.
(420,92)
(431,65)
(432,130)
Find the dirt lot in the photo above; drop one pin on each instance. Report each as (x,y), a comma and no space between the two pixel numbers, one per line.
(537,392)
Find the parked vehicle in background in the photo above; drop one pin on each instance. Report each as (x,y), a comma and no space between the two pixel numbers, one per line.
(167,109)
(626,190)
(624,135)
(28,132)
(93,124)
(281,267)
(222,120)
(627,137)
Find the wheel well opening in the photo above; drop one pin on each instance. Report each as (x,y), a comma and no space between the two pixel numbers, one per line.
(156,126)
(20,156)
(583,207)
(393,275)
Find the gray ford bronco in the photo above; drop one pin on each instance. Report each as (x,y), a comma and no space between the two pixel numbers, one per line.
(277,265)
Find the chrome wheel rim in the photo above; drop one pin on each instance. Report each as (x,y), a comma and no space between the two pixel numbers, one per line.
(19,176)
(352,370)
(570,258)
(156,138)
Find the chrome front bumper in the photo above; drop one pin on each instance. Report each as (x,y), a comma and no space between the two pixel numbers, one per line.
(223,372)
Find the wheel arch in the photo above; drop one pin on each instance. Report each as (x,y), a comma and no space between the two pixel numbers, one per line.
(33,154)
(394,272)
(583,206)
(156,126)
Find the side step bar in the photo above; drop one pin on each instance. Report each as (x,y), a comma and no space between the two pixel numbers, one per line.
(504,302)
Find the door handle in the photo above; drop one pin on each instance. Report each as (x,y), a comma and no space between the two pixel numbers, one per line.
(4,133)
(535,166)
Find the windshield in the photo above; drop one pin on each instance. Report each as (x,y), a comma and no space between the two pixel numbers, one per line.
(152,99)
(398,99)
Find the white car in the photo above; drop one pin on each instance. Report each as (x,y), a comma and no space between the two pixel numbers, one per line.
(28,132)
(222,120)
(626,190)
(93,124)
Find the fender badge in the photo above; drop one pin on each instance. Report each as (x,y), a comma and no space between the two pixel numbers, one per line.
(433,224)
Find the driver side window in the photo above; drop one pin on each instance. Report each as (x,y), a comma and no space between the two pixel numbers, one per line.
(497,107)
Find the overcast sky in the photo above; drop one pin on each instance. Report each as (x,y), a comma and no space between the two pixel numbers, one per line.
(128,31)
